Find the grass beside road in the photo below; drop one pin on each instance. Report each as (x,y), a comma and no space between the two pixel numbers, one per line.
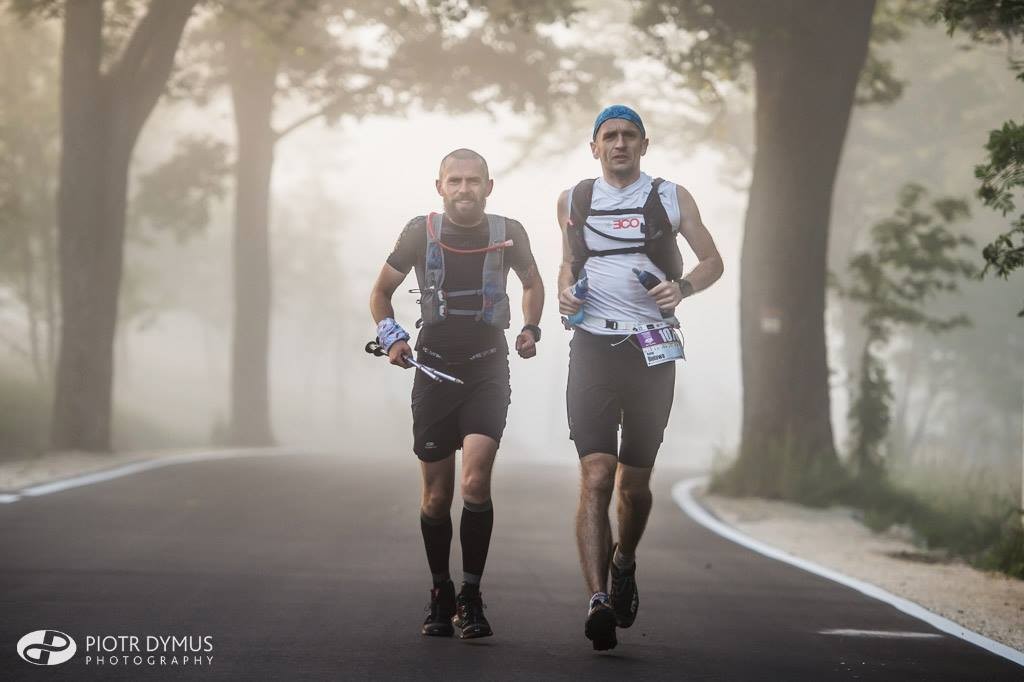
(964,519)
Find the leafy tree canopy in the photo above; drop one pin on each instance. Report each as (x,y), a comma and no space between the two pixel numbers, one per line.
(1002,174)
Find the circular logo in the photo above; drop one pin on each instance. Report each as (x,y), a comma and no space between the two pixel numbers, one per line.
(46,647)
(626,223)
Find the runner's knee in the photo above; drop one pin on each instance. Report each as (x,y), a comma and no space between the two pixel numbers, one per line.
(598,477)
(436,503)
(476,487)
(635,494)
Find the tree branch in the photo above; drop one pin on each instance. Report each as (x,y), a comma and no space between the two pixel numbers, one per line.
(141,74)
(302,120)
(333,104)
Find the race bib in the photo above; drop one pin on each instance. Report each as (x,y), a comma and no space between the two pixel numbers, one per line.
(660,345)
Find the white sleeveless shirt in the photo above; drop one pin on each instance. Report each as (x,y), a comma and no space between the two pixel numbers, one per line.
(615,293)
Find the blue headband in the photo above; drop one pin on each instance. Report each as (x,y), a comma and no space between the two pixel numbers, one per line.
(619,111)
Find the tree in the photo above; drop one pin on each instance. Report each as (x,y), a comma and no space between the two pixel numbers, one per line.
(111,78)
(1003,173)
(807,60)
(912,260)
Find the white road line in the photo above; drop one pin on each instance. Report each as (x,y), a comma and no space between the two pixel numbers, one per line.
(136,467)
(882,634)
(682,493)
(7,499)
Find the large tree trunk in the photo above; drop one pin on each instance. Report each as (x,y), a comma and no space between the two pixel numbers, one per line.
(806,71)
(101,116)
(252,74)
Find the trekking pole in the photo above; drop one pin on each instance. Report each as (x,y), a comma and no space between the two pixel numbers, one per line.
(374,348)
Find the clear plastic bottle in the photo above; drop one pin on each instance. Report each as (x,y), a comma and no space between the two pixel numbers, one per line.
(579,290)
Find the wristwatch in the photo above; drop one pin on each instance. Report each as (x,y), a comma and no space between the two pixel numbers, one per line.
(685,288)
(534,329)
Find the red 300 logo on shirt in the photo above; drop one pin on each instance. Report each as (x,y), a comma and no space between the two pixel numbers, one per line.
(626,223)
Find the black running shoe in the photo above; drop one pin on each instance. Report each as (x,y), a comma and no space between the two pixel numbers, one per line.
(600,627)
(624,597)
(469,615)
(440,611)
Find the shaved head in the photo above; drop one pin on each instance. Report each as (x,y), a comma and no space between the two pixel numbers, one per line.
(464,154)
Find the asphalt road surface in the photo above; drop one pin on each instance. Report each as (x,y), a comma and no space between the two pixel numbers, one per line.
(312,567)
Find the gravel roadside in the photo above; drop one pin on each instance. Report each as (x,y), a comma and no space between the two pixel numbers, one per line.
(989,603)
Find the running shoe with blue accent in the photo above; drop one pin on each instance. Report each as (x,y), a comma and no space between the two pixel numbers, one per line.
(600,626)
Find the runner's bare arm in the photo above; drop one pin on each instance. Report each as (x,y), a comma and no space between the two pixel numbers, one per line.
(384,288)
(380,307)
(533,294)
(709,267)
(533,306)
(567,303)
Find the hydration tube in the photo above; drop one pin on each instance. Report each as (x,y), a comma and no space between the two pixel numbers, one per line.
(493,247)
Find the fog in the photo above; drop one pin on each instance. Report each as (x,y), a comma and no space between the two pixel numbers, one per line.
(341,193)
(351,190)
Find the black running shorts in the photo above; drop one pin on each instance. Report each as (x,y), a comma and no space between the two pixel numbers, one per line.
(611,385)
(443,413)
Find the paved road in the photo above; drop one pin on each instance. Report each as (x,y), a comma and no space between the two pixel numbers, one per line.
(311,567)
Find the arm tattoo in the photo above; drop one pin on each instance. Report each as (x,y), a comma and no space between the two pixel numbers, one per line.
(528,274)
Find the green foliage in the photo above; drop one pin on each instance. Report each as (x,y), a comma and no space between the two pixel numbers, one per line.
(49,9)
(1007,554)
(986,20)
(177,195)
(704,43)
(911,261)
(508,11)
(878,81)
(986,532)
(1000,179)
(995,21)
(709,42)
(870,415)
(339,61)
(786,472)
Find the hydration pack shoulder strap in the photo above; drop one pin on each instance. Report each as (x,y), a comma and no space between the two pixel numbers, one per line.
(433,307)
(495,310)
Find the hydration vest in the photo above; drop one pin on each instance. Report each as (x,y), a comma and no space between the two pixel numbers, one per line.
(658,242)
(434,298)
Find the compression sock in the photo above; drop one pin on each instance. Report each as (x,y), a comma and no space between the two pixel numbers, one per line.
(437,539)
(475,534)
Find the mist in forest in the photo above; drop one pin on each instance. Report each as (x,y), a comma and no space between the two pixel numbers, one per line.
(343,183)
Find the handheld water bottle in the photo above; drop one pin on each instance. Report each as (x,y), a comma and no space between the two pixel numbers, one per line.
(579,290)
(648,280)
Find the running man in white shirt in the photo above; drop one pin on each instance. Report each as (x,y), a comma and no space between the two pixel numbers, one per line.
(619,246)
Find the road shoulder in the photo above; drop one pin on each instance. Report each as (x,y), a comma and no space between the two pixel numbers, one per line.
(988,603)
